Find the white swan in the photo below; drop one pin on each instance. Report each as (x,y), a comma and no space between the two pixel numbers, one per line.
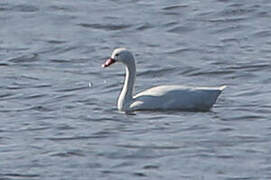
(166,97)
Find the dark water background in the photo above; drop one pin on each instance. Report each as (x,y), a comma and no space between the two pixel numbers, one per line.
(58,116)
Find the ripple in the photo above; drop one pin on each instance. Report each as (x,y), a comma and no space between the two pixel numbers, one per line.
(251,67)
(139,174)
(72,138)
(166,147)
(73,89)
(26,109)
(18,175)
(151,167)
(9,96)
(41,109)
(157,72)
(5,95)
(57,50)
(106,27)
(230,40)
(69,61)
(227,20)
(34,129)
(4,64)
(179,51)
(68,154)
(174,10)
(42,85)
(174,7)
(19,8)
(25,8)
(112,172)
(222,72)
(236,9)
(56,42)
(264,14)
(25,58)
(230,29)
(262,34)
(144,26)
(180,29)
(63,8)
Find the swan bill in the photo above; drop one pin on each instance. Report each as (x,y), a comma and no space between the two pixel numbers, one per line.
(108,62)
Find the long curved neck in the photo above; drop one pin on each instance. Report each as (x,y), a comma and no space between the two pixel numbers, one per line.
(126,94)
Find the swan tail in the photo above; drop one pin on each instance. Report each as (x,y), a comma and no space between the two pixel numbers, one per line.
(221,88)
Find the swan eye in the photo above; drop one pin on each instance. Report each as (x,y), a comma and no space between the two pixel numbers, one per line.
(117,55)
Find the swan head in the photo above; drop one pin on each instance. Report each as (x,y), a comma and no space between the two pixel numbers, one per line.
(120,55)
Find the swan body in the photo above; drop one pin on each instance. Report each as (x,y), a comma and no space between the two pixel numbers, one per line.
(165,97)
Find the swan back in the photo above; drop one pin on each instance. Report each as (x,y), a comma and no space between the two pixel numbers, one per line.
(170,97)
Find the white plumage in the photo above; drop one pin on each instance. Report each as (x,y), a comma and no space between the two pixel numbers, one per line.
(165,97)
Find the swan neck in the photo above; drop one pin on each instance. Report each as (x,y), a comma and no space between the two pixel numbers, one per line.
(126,94)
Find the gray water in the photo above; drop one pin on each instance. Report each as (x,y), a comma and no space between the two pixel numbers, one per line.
(58,116)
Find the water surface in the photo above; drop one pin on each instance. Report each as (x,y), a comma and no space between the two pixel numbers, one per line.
(58,116)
